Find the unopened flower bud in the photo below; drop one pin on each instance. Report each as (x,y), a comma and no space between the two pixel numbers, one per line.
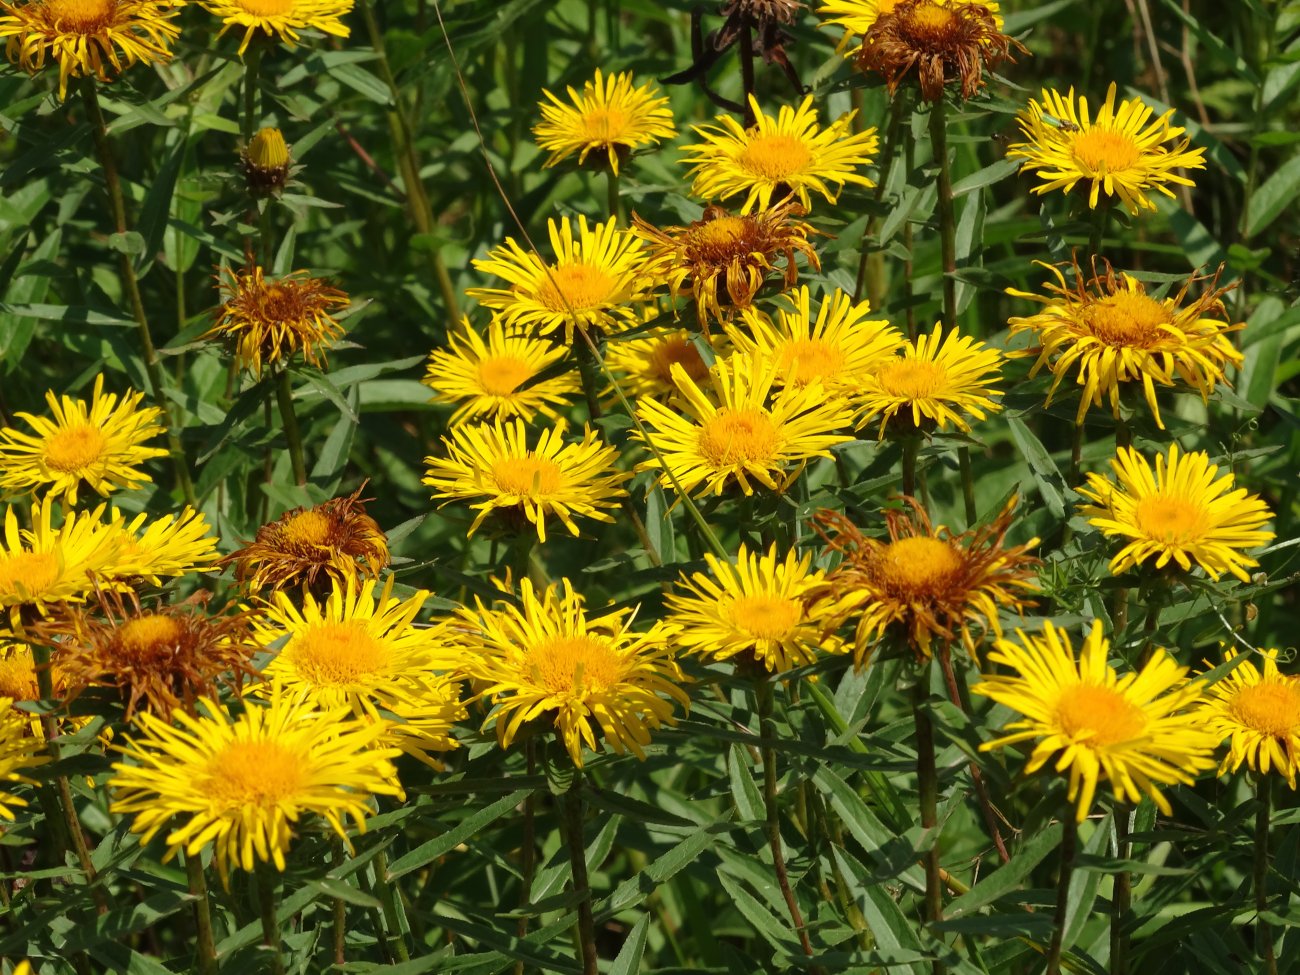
(266,162)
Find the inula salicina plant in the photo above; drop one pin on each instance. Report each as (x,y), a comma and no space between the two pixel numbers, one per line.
(616,487)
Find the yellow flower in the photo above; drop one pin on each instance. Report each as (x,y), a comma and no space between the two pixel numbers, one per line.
(19,752)
(728,255)
(308,547)
(89,38)
(933,382)
(596,281)
(1182,512)
(526,484)
(1109,330)
(543,658)
(1137,732)
(98,443)
(609,117)
(18,683)
(758,605)
(284,18)
(645,362)
(270,322)
(744,432)
(857,16)
(360,649)
(266,161)
(926,583)
(498,378)
(242,783)
(837,347)
(783,156)
(1121,151)
(150,549)
(1258,714)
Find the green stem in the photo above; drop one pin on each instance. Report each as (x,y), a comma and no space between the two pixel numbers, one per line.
(871,265)
(1122,898)
(911,447)
(947,213)
(772,822)
(527,849)
(1123,434)
(612,199)
(252,68)
(585,348)
(340,912)
(265,883)
(1258,124)
(967,485)
(1097,233)
(586,931)
(1263,934)
(1069,843)
(131,285)
(388,900)
(927,783)
(292,433)
(206,949)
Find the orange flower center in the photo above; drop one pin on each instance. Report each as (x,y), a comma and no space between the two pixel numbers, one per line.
(912,379)
(74,448)
(766,617)
(1126,320)
(575,663)
(147,637)
(576,287)
(718,239)
(501,375)
(803,361)
(336,653)
(1099,716)
(1269,708)
(739,437)
(80,16)
(775,157)
(918,567)
(1099,151)
(268,8)
(252,773)
(929,25)
(603,125)
(35,572)
(308,528)
(677,350)
(527,476)
(1169,519)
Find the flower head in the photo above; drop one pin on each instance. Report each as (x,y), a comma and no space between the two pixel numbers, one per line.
(308,547)
(279,18)
(1182,512)
(89,38)
(151,549)
(858,16)
(19,753)
(19,683)
(838,346)
(1112,333)
(778,157)
(610,117)
(496,466)
(98,444)
(545,658)
(926,583)
(760,605)
(1257,711)
(646,361)
(497,376)
(722,260)
(935,380)
(745,431)
(1121,151)
(359,649)
(266,162)
(1137,731)
(241,783)
(937,42)
(270,321)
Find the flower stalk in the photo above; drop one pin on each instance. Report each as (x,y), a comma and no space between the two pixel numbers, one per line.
(927,784)
(1122,897)
(947,213)
(205,949)
(292,432)
(388,900)
(1069,845)
(1263,933)
(586,930)
(265,883)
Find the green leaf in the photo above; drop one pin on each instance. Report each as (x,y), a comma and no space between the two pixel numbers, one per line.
(157,204)
(426,853)
(985,177)
(1009,876)
(1051,485)
(131,242)
(341,890)
(1277,193)
(744,793)
(628,961)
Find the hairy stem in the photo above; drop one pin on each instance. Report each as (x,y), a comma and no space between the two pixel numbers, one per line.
(1069,843)
(927,783)
(871,265)
(388,900)
(1263,933)
(947,213)
(265,882)
(292,433)
(1122,898)
(586,931)
(206,949)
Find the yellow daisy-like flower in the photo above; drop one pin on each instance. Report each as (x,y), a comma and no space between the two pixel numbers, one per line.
(761,606)
(151,549)
(933,382)
(282,18)
(1138,732)
(89,38)
(744,432)
(545,658)
(858,16)
(99,443)
(645,363)
(19,753)
(722,259)
(526,484)
(361,650)
(312,548)
(1122,151)
(1181,512)
(242,783)
(269,322)
(926,583)
(497,378)
(18,683)
(783,156)
(1257,711)
(1112,333)
(838,347)
(598,280)
(610,117)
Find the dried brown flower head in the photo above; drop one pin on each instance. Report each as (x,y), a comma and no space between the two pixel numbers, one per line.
(941,43)
(310,547)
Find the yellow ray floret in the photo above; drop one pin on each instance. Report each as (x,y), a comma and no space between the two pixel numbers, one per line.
(1256,710)
(610,117)
(279,18)
(20,751)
